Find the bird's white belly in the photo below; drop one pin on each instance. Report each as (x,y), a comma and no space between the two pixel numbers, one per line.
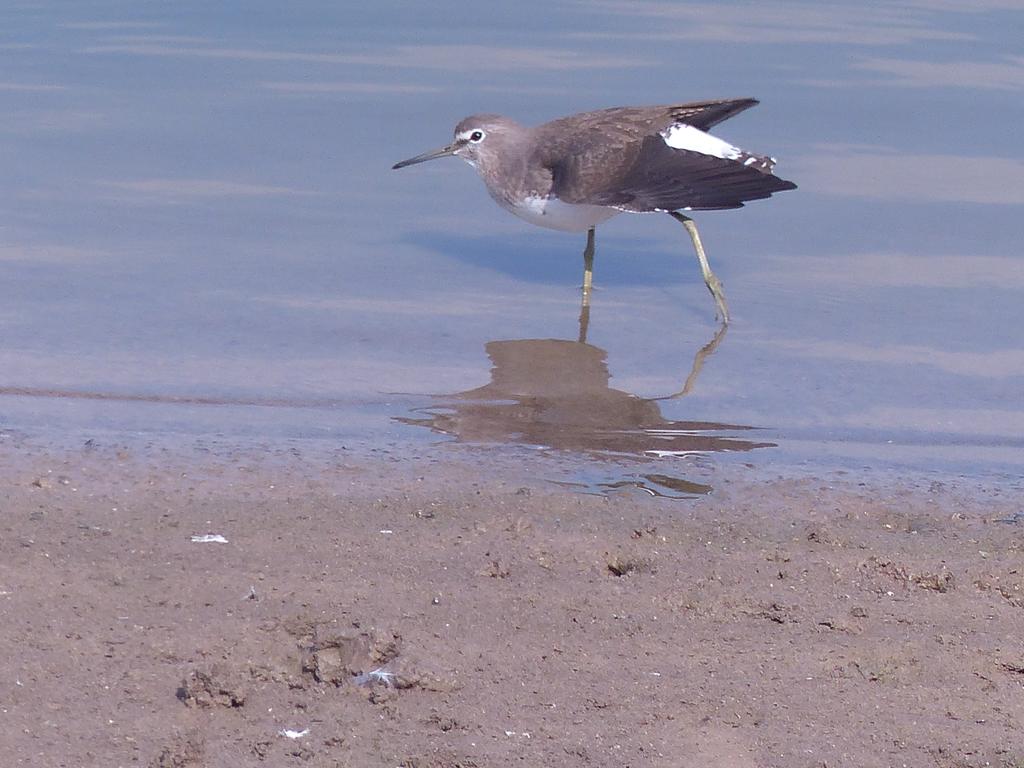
(552,213)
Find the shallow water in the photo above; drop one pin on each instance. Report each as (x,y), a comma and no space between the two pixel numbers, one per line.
(200,234)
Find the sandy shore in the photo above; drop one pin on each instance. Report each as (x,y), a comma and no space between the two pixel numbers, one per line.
(513,622)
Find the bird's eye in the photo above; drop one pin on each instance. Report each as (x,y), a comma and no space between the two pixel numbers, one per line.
(476,136)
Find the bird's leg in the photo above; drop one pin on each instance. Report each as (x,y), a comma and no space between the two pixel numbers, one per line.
(588,284)
(713,283)
(588,266)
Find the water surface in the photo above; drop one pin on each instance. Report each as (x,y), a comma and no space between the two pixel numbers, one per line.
(200,233)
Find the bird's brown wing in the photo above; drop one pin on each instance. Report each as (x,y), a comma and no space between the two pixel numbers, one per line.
(640,121)
(661,178)
(704,114)
(617,157)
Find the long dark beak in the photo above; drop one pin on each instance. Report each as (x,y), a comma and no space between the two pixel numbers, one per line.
(442,152)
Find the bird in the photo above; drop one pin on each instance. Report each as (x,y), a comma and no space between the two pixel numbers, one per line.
(576,172)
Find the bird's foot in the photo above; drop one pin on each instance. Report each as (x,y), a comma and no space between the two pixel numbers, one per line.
(715,287)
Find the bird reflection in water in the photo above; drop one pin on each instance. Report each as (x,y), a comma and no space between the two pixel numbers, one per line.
(555,393)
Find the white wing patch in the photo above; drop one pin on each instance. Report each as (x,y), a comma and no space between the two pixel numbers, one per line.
(683,136)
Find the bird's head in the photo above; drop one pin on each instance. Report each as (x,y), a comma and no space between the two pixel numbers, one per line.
(479,140)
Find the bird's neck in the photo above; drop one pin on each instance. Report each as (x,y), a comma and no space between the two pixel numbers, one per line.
(510,175)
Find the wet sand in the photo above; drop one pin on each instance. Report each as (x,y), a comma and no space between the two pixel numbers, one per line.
(772,623)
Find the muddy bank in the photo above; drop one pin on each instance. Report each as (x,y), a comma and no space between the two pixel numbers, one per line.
(388,613)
